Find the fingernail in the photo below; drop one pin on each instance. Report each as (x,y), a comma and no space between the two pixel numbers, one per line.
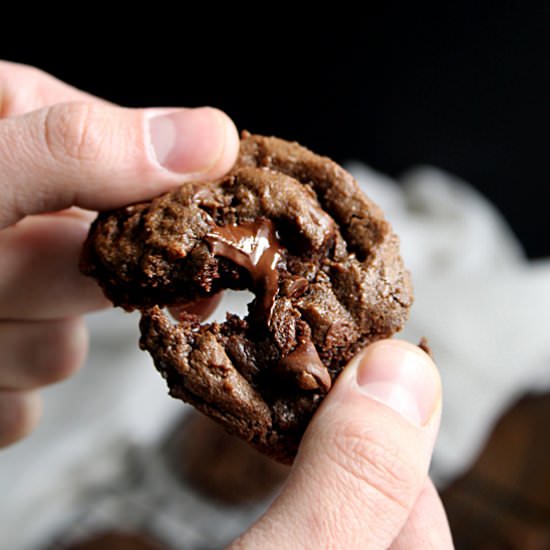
(402,377)
(187,141)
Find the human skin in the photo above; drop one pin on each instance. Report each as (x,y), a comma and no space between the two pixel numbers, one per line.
(360,478)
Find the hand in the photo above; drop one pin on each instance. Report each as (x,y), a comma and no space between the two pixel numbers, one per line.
(60,148)
(360,479)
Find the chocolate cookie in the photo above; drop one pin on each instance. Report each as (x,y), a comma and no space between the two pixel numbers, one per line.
(290,226)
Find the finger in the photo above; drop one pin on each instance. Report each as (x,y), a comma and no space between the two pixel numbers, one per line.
(427,527)
(35,354)
(40,278)
(363,459)
(19,413)
(99,157)
(24,88)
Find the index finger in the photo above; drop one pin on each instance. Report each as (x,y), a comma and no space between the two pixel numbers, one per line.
(24,88)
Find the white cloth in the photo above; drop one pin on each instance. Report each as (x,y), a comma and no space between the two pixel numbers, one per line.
(484,309)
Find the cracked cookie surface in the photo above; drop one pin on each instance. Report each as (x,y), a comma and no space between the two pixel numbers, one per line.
(292,227)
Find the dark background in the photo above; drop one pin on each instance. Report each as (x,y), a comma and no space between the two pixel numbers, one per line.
(467,90)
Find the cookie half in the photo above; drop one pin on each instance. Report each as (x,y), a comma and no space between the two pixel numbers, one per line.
(293,228)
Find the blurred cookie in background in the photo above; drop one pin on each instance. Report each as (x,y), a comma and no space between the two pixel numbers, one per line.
(219,466)
(503,502)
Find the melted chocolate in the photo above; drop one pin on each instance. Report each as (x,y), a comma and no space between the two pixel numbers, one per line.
(306,366)
(253,246)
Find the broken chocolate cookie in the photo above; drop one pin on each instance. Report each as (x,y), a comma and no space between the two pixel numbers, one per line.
(293,228)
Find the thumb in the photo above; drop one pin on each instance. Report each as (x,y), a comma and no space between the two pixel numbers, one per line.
(364,458)
(98,156)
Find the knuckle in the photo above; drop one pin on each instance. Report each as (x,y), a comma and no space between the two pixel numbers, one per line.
(359,455)
(11,67)
(29,73)
(72,132)
(10,70)
(18,82)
